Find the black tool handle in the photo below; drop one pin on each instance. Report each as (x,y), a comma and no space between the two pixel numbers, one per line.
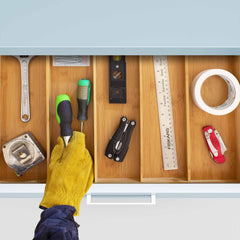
(120,155)
(82,110)
(65,114)
(115,138)
(83,98)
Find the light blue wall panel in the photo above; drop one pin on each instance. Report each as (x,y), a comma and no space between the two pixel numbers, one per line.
(120,27)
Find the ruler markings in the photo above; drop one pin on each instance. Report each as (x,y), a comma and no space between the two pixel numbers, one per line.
(165,113)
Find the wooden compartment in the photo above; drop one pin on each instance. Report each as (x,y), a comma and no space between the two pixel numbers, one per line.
(143,162)
(214,92)
(46,82)
(106,120)
(64,80)
(151,153)
(11,124)
(195,163)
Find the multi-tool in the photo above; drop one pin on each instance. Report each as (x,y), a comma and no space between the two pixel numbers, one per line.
(118,145)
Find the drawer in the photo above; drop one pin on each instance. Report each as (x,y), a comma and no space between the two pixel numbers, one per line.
(143,163)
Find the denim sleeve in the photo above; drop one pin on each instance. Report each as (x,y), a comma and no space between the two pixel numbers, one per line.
(57,223)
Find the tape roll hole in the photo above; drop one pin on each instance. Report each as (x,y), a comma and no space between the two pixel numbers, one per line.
(214,91)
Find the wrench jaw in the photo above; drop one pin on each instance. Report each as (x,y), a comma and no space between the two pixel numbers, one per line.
(25,102)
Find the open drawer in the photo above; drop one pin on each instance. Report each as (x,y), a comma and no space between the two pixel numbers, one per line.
(143,163)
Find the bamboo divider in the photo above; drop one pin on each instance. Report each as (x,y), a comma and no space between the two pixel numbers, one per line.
(48,90)
(188,146)
(95,118)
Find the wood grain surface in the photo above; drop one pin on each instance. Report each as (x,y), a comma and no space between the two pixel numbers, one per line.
(214,92)
(143,162)
(151,152)
(11,124)
(64,80)
(107,118)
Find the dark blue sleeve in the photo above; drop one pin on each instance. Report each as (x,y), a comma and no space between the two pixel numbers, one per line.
(57,223)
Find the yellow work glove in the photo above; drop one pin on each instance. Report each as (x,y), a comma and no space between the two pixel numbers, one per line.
(70,173)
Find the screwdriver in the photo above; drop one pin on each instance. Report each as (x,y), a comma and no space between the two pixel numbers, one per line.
(64,116)
(83,98)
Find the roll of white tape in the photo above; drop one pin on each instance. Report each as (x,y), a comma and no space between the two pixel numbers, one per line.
(233,91)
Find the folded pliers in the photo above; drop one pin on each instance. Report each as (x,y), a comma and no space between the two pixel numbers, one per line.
(118,145)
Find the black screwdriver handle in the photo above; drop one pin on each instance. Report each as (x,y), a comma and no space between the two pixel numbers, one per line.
(83,98)
(82,110)
(64,115)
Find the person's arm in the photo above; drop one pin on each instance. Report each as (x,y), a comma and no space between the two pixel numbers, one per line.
(70,175)
(57,223)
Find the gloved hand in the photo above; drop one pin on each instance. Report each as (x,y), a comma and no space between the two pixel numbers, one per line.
(70,173)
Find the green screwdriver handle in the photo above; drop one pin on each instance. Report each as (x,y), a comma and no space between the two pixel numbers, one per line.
(83,98)
(64,115)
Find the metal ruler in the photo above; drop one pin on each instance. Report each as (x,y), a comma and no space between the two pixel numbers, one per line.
(165,113)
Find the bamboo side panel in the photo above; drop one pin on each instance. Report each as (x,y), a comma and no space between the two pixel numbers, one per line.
(237,120)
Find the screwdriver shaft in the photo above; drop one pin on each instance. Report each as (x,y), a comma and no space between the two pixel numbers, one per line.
(66,139)
(81,126)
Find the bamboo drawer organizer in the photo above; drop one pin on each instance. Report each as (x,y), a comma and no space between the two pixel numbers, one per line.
(143,162)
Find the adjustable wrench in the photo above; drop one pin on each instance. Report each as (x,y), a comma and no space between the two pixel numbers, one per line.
(25,105)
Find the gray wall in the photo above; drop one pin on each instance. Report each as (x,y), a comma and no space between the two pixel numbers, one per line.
(170,219)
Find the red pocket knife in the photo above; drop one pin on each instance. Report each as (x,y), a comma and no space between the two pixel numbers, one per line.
(215,144)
